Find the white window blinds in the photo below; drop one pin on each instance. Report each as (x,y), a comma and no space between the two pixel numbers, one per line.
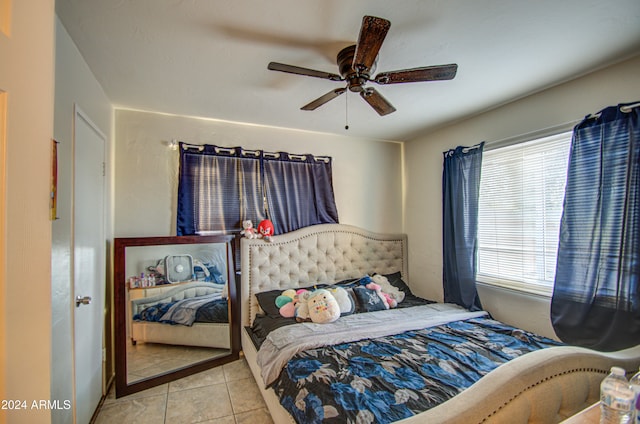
(520,207)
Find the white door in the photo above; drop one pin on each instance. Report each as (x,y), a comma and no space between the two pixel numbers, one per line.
(89,264)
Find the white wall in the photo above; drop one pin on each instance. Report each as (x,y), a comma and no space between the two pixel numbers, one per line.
(75,85)
(26,129)
(367,174)
(423,164)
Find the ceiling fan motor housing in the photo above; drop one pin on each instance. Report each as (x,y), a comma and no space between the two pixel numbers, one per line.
(355,80)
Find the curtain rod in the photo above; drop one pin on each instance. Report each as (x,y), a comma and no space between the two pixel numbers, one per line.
(625,109)
(187,146)
(246,152)
(494,144)
(544,132)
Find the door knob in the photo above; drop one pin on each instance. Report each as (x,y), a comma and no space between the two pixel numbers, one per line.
(82,300)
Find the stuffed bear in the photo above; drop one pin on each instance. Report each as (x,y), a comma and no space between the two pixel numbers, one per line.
(247,230)
(323,307)
(388,288)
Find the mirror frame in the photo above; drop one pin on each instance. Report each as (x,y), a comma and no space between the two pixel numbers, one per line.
(123,388)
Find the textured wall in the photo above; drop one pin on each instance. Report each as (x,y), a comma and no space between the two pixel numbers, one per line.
(26,80)
(367,175)
(75,86)
(559,105)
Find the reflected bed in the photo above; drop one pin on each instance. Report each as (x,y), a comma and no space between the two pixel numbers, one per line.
(168,320)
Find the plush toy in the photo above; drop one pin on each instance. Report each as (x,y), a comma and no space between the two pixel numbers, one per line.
(287,296)
(247,230)
(323,307)
(388,288)
(288,310)
(302,305)
(378,290)
(390,300)
(345,301)
(286,303)
(265,230)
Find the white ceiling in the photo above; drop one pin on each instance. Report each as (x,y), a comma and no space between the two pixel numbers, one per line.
(209,58)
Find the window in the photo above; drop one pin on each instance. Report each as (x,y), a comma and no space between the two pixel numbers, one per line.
(520,207)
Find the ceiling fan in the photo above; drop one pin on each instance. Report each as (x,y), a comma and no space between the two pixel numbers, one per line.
(358,62)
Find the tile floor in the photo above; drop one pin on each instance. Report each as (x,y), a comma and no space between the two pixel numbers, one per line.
(222,395)
(149,359)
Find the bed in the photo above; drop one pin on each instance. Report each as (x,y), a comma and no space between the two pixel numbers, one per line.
(189,314)
(544,386)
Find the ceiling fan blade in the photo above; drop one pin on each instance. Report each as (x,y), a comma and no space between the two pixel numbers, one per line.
(372,34)
(428,73)
(275,66)
(323,99)
(376,101)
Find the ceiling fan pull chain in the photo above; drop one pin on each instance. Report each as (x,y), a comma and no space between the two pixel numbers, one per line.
(346,111)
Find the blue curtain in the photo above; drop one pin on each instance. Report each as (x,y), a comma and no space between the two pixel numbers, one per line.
(299,191)
(217,190)
(596,301)
(460,193)
(220,187)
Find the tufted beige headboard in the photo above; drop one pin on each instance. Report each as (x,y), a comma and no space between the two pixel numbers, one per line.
(324,253)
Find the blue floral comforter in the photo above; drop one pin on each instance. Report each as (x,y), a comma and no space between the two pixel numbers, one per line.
(386,379)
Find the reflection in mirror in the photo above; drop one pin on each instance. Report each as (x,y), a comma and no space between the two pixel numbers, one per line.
(174,308)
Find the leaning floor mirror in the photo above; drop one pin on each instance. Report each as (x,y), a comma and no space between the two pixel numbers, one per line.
(176,308)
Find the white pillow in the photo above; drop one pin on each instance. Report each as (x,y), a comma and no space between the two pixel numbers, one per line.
(323,307)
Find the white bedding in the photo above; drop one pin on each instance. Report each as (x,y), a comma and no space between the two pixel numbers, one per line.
(184,311)
(282,344)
